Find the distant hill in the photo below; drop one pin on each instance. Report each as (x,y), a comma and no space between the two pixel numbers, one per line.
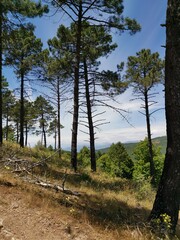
(161,141)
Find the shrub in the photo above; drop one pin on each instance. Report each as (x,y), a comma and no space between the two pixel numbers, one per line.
(117,161)
(104,163)
(141,162)
(84,156)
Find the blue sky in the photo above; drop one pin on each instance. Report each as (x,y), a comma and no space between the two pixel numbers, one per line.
(150,14)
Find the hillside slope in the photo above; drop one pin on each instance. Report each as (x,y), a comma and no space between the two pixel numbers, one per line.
(27,216)
(160,141)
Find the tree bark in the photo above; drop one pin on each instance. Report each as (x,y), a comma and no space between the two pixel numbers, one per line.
(22,111)
(90,120)
(58,118)
(43,131)
(26,127)
(168,194)
(17,130)
(1,77)
(55,138)
(76,92)
(7,126)
(152,168)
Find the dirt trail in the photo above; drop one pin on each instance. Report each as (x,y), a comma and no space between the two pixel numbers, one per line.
(18,221)
(22,217)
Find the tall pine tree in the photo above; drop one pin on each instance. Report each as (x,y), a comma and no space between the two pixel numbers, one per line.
(23,52)
(167,200)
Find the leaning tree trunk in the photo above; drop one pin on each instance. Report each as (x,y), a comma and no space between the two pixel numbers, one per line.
(168,194)
(1,128)
(76,92)
(90,120)
(152,168)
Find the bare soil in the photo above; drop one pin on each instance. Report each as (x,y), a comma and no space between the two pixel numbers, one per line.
(20,220)
(25,215)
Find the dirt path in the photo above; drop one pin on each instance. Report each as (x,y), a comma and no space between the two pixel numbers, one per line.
(24,216)
(18,221)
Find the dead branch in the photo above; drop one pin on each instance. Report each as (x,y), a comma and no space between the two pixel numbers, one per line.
(57,188)
(25,166)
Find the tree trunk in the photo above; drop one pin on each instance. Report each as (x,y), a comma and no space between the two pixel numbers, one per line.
(55,138)
(26,129)
(76,92)
(59,119)
(17,130)
(44,134)
(43,131)
(22,111)
(1,77)
(168,194)
(152,168)
(90,120)
(7,127)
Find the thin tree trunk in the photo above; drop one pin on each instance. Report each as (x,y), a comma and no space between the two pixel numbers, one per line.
(26,127)
(55,138)
(168,195)
(152,168)
(7,127)
(1,100)
(44,134)
(17,130)
(22,111)
(76,92)
(43,131)
(59,119)
(90,120)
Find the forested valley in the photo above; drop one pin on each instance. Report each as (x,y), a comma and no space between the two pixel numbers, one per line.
(122,192)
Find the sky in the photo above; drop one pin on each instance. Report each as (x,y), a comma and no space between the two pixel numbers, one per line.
(149,14)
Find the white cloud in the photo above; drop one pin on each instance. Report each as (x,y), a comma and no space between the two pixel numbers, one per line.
(129,134)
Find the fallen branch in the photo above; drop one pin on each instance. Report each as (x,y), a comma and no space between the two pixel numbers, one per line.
(25,166)
(57,188)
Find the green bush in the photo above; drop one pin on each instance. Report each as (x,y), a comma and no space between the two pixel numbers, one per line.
(84,157)
(104,163)
(144,190)
(142,164)
(116,162)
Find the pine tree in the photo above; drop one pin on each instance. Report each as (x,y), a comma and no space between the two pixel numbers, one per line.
(167,200)
(12,13)
(44,113)
(144,71)
(23,52)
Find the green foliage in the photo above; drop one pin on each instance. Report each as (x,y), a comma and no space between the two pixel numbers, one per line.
(104,163)
(145,70)
(144,190)
(23,49)
(116,161)
(26,8)
(163,225)
(109,14)
(141,162)
(43,111)
(84,156)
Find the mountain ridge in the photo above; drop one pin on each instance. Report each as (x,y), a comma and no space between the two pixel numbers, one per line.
(161,141)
